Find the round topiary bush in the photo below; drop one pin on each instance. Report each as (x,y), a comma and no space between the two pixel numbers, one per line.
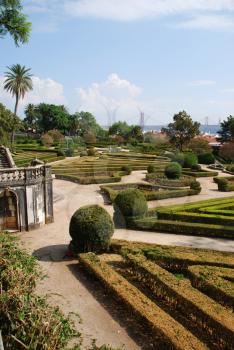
(127,204)
(173,170)
(60,152)
(151,169)
(91,228)
(127,169)
(190,159)
(196,186)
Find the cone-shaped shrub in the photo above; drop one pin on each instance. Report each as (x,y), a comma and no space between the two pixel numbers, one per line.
(91,228)
(127,204)
(173,170)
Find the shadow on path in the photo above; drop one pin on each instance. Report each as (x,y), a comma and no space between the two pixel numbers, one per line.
(135,329)
(54,253)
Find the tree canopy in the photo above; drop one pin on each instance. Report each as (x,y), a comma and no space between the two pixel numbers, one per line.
(182,130)
(126,131)
(83,122)
(227,129)
(13,21)
(51,117)
(7,122)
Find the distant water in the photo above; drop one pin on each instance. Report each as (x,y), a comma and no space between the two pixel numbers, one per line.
(209,129)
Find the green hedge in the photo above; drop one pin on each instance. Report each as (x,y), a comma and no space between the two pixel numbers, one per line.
(169,333)
(184,228)
(225,184)
(203,173)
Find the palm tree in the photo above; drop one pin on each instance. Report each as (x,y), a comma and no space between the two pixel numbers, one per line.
(18,81)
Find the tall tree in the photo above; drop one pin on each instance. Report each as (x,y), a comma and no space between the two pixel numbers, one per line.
(182,130)
(227,130)
(51,117)
(7,122)
(31,116)
(85,122)
(18,81)
(13,21)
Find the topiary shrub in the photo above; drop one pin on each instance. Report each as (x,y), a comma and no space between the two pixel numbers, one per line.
(91,152)
(223,185)
(127,169)
(151,169)
(179,158)
(196,186)
(173,170)
(91,229)
(127,204)
(206,158)
(190,159)
(196,167)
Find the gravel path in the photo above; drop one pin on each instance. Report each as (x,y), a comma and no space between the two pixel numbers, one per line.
(71,289)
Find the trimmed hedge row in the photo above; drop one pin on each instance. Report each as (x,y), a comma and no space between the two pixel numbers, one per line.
(90,180)
(150,192)
(161,180)
(197,218)
(170,334)
(174,258)
(199,309)
(214,282)
(201,173)
(184,228)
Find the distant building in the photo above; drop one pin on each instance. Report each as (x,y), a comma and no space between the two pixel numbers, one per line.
(26,194)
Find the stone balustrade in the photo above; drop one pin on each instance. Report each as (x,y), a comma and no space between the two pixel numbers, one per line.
(24,176)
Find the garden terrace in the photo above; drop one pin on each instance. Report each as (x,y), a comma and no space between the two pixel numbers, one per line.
(103,169)
(24,157)
(161,286)
(191,219)
(151,192)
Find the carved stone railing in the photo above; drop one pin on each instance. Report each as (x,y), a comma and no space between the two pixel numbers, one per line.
(24,176)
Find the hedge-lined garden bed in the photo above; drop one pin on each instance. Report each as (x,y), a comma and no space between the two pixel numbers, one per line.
(160,179)
(151,192)
(190,219)
(24,157)
(104,169)
(162,286)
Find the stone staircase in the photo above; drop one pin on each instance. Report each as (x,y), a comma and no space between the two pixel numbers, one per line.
(3,161)
(6,160)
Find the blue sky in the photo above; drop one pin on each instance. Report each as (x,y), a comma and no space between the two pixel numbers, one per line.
(117,57)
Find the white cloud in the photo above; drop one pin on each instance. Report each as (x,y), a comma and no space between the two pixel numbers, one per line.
(206,14)
(109,97)
(138,9)
(216,22)
(202,83)
(44,90)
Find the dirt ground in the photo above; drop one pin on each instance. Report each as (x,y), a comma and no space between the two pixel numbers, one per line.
(66,284)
